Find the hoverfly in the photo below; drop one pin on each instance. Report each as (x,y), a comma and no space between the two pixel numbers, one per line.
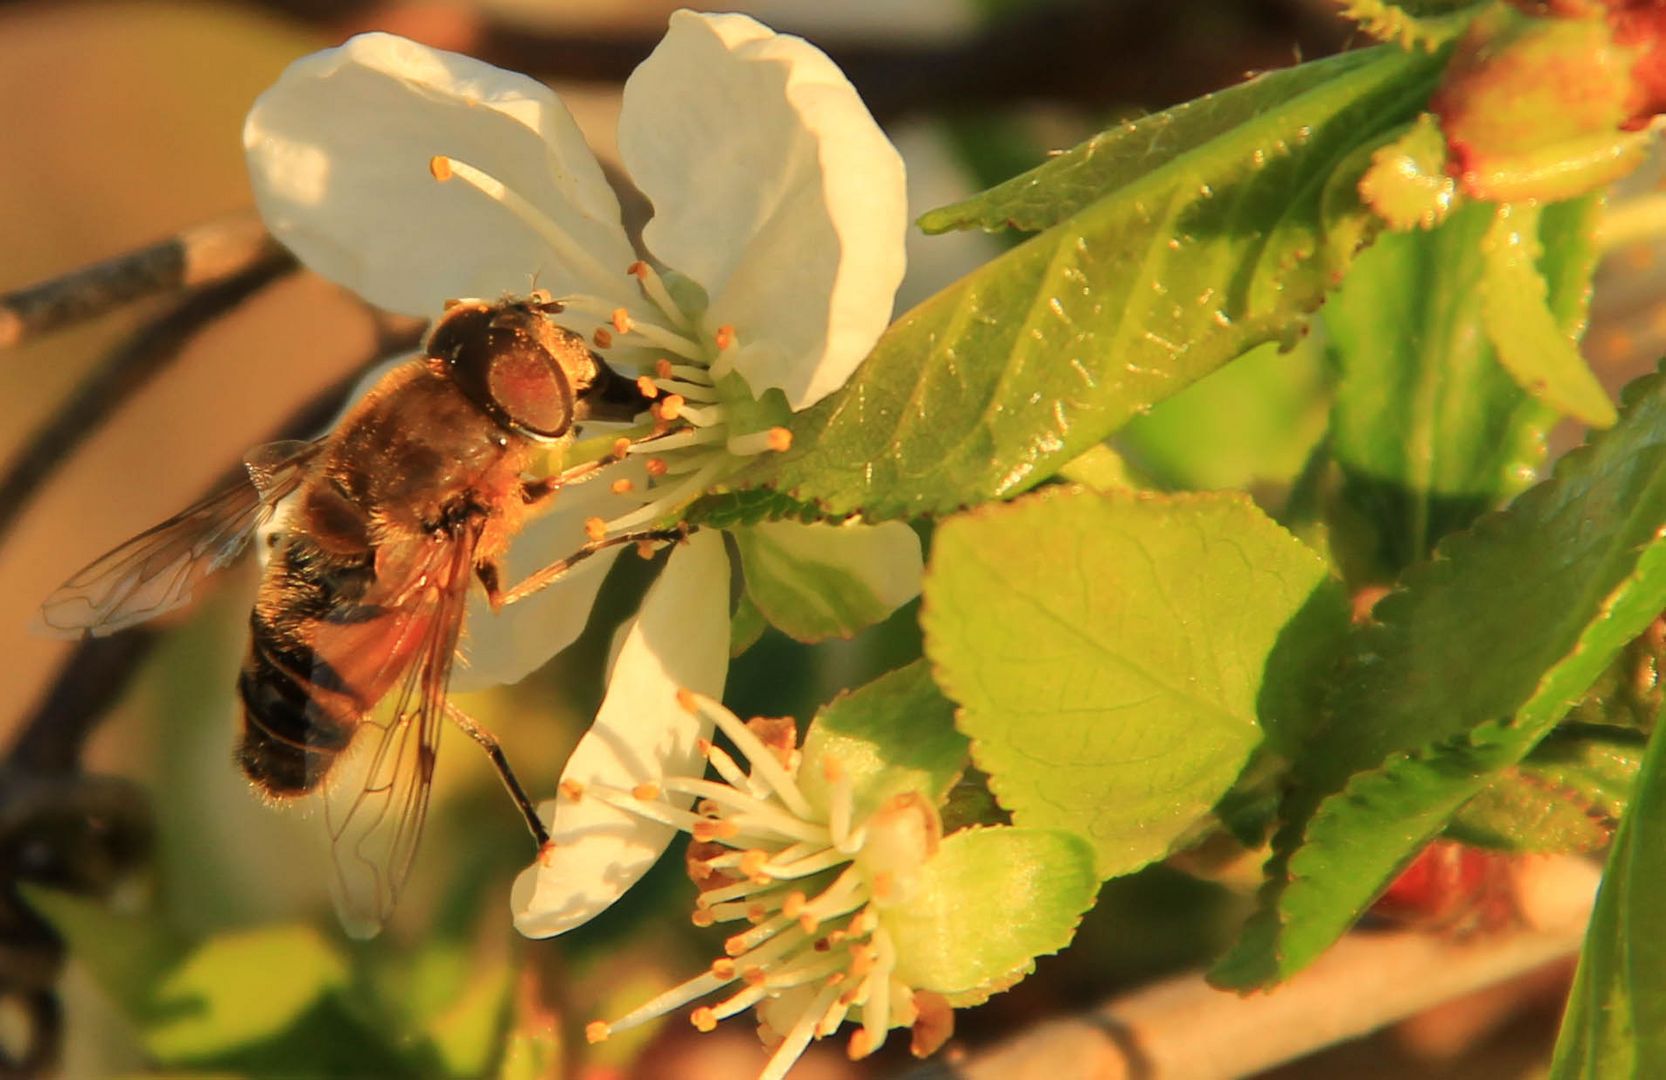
(416,491)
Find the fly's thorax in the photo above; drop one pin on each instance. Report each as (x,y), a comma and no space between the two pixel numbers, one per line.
(410,453)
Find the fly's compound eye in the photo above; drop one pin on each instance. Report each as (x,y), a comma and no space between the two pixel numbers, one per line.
(498,359)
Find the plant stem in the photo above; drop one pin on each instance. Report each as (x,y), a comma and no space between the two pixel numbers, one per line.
(1183,1027)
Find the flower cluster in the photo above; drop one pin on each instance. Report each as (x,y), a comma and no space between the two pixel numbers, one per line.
(811,882)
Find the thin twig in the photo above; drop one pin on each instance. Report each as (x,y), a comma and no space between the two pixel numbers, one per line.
(122,374)
(198,256)
(1185,1028)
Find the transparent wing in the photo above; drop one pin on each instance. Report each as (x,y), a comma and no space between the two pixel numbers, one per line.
(159,569)
(376,801)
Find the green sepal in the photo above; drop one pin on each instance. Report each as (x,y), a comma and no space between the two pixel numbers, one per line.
(892,736)
(1408,184)
(989,902)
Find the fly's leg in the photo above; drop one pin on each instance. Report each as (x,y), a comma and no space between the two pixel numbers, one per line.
(489,743)
(535,493)
(499,597)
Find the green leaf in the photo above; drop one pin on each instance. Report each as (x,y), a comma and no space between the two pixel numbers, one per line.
(1254,421)
(1538,352)
(814,582)
(995,383)
(1474,658)
(1615,1024)
(894,735)
(1567,795)
(1118,657)
(1428,431)
(241,988)
(991,901)
(1068,183)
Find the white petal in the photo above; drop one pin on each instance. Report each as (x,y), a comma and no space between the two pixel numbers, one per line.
(775,190)
(339,152)
(508,646)
(680,639)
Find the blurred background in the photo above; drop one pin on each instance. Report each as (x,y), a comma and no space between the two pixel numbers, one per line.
(120,125)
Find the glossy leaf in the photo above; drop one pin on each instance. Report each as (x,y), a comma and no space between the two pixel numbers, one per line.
(1615,1023)
(991,901)
(1428,430)
(894,735)
(1118,657)
(1070,182)
(995,383)
(1471,662)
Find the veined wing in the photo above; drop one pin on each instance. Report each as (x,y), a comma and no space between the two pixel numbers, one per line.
(159,569)
(376,802)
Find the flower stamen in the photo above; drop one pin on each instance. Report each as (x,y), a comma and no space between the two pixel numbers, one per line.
(653,286)
(812,946)
(764,763)
(630,326)
(681,493)
(571,253)
(798,1038)
(776,439)
(678,440)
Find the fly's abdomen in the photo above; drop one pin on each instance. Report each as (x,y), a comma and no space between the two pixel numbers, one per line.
(293,723)
(299,707)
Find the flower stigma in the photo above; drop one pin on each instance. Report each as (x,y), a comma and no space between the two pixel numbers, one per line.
(809,882)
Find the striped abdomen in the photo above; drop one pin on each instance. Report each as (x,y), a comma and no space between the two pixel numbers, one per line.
(318,661)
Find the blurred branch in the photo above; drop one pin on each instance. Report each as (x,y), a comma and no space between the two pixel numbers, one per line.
(125,371)
(1185,1028)
(204,255)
